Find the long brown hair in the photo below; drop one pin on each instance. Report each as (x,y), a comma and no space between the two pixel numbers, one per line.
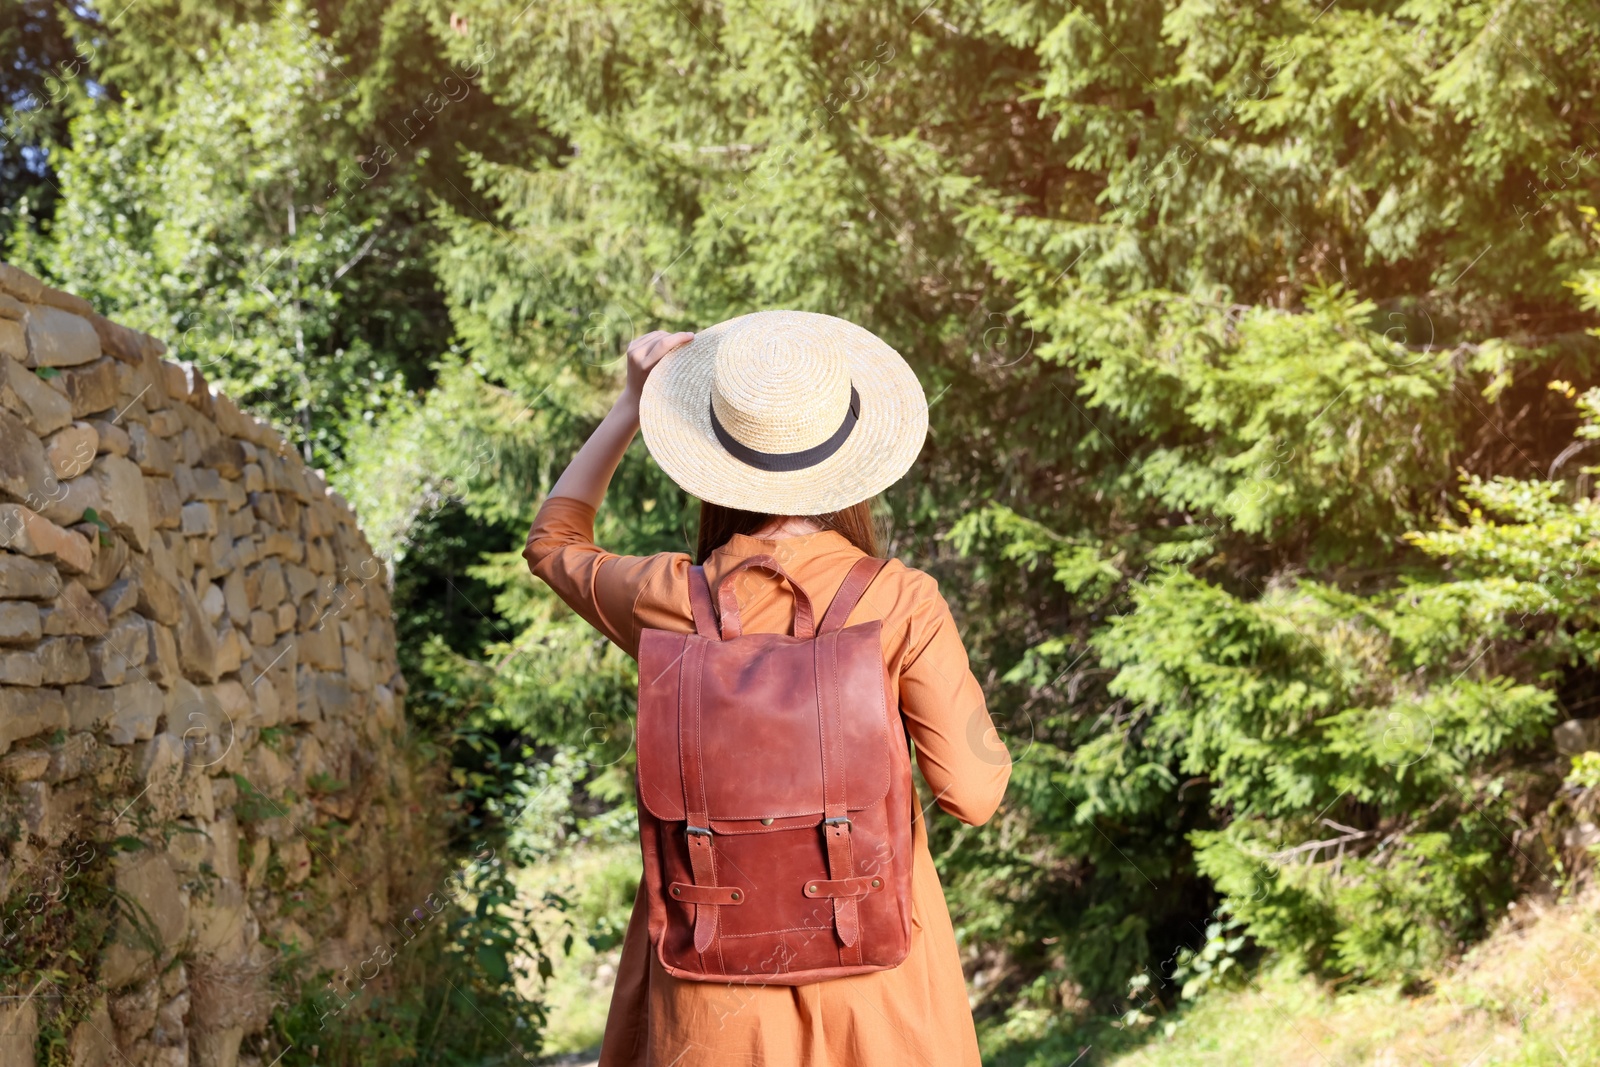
(718,524)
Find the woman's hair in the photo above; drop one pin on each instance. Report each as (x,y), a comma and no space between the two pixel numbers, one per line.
(718,524)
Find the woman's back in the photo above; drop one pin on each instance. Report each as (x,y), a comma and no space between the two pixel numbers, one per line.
(916,1012)
(791,421)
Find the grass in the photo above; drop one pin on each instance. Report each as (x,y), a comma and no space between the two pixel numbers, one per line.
(1529,996)
(598,882)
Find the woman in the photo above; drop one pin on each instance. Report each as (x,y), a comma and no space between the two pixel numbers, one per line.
(785,424)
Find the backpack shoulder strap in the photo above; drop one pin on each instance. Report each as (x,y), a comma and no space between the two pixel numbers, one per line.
(705,617)
(850,592)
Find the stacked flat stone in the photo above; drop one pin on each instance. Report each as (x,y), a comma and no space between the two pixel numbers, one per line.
(173,582)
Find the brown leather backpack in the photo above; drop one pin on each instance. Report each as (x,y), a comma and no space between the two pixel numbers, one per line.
(775,793)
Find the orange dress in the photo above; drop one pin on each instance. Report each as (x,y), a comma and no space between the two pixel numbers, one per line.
(918,1012)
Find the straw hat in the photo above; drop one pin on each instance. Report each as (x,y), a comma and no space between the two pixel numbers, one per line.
(784,412)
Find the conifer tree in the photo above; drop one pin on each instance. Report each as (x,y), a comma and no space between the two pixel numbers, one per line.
(1245,477)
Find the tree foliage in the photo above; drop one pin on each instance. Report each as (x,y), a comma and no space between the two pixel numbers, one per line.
(1270,540)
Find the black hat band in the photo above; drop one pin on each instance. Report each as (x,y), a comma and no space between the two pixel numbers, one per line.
(790,461)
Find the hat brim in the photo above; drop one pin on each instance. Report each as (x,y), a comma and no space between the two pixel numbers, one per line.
(675,416)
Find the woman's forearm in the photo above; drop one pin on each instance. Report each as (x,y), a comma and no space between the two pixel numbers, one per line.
(589,474)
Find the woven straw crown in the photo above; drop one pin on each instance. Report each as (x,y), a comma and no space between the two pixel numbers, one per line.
(757,376)
(784,412)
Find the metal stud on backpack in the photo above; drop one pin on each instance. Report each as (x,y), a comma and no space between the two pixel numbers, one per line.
(774,793)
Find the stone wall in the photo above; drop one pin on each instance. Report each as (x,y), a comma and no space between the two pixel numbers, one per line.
(202,744)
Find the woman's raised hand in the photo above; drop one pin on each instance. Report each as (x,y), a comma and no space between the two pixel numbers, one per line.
(590,471)
(643,355)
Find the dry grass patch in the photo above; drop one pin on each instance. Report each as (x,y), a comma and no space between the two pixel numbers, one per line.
(1528,996)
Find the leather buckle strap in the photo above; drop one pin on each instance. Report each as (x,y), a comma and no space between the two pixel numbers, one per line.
(841,866)
(858,886)
(703,868)
(706,894)
(844,887)
(836,823)
(697,832)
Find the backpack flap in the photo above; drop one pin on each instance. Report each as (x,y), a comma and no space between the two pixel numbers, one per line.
(759,744)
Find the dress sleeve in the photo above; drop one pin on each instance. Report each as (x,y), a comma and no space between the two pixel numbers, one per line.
(601,586)
(958,749)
